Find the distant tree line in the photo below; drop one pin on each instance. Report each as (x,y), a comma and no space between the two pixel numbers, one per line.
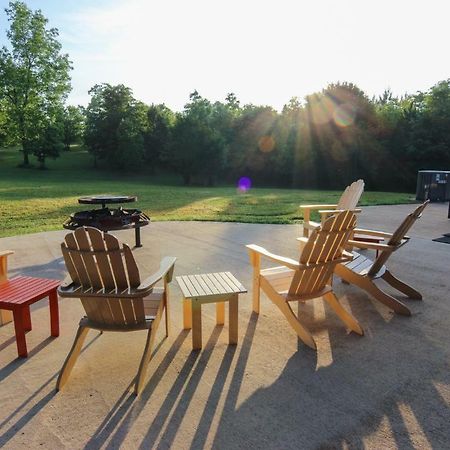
(326,140)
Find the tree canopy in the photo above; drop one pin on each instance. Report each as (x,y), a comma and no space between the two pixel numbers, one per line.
(34,76)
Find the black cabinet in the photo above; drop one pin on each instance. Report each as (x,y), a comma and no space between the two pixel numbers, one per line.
(433,185)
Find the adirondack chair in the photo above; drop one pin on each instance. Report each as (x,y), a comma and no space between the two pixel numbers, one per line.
(105,277)
(348,201)
(309,278)
(363,272)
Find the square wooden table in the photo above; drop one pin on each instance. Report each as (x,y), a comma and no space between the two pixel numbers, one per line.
(216,288)
(18,293)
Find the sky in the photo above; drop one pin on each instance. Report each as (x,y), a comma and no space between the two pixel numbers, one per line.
(266,52)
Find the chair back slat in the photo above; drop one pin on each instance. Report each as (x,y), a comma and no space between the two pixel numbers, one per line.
(88,258)
(77,260)
(132,268)
(117,265)
(103,263)
(116,310)
(90,306)
(397,237)
(350,197)
(96,261)
(325,245)
(70,264)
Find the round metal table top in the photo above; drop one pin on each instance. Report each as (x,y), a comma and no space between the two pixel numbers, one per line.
(106,199)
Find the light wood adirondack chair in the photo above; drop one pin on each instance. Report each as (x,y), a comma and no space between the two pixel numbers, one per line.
(348,201)
(105,277)
(310,277)
(363,271)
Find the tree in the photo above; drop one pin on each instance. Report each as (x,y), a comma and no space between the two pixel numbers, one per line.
(48,144)
(115,126)
(198,148)
(157,138)
(34,74)
(73,125)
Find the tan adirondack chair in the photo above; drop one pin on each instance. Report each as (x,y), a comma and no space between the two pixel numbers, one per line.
(363,272)
(348,201)
(309,278)
(105,277)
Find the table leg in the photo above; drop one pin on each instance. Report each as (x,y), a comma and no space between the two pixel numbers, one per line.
(20,333)
(196,325)
(233,320)
(187,314)
(137,235)
(26,318)
(54,313)
(220,313)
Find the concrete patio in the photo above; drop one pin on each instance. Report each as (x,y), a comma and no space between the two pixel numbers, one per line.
(388,389)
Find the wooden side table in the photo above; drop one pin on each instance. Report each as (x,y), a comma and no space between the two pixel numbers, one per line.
(210,288)
(17,294)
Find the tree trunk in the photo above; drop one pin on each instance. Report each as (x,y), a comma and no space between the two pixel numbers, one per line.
(26,160)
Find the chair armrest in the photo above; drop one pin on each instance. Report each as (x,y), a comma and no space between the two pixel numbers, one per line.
(6,253)
(334,211)
(372,232)
(73,290)
(288,262)
(165,270)
(324,213)
(329,206)
(373,246)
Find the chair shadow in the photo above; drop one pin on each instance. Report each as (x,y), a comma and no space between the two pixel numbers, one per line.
(7,370)
(54,269)
(31,413)
(342,405)
(204,425)
(128,406)
(7,343)
(168,418)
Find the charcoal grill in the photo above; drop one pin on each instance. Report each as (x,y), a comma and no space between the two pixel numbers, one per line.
(109,219)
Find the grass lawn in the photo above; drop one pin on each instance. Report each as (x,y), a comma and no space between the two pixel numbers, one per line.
(32,200)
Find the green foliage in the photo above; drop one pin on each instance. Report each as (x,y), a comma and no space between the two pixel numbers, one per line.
(72,120)
(158,134)
(34,76)
(48,144)
(115,126)
(197,150)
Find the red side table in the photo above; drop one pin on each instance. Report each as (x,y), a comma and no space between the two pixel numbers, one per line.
(17,294)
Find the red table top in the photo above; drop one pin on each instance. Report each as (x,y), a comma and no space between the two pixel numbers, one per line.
(22,290)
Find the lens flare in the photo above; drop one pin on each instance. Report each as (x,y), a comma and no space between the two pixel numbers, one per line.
(322,110)
(244,184)
(266,144)
(344,115)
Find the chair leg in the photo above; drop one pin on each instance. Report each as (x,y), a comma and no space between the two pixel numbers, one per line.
(401,286)
(72,357)
(343,314)
(301,331)
(369,286)
(167,316)
(140,377)
(386,299)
